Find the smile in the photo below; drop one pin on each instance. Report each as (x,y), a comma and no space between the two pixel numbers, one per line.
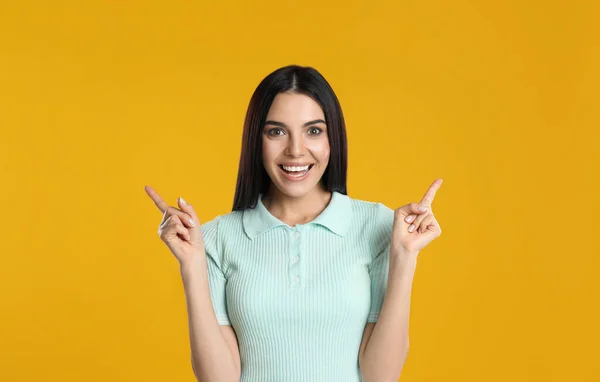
(296,173)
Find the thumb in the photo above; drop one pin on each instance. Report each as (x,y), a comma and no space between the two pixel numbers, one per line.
(401,213)
(195,232)
(409,209)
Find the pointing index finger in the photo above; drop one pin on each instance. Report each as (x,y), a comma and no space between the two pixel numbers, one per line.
(160,203)
(430,194)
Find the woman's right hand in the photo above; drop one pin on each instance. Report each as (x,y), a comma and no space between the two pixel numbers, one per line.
(180,229)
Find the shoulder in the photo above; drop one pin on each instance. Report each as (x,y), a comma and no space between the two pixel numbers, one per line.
(220,226)
(377,214)
(374,219)
(223,222)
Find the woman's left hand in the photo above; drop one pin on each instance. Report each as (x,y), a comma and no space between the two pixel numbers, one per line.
(414,229)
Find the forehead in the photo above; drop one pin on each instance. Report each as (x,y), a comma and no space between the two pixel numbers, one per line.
(294,107)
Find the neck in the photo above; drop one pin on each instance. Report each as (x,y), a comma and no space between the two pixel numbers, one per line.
(296,210)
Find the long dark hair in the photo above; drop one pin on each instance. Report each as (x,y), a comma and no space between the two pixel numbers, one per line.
(252,177)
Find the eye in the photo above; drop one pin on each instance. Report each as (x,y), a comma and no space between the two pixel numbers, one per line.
(270,132)
(318,130)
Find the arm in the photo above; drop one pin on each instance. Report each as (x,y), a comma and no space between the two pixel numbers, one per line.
(387,347)
(212,357)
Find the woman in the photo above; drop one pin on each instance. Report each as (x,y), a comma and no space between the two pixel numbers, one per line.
(289,286)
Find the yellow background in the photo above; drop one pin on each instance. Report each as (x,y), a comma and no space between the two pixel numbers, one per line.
(499,99)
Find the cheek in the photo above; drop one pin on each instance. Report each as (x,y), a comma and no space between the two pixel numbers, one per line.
(269,151)
(320,150)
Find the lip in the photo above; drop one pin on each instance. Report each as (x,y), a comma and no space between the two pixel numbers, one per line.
(294,178)
(294,164)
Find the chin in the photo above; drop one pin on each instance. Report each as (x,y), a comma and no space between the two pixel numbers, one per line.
(294,190)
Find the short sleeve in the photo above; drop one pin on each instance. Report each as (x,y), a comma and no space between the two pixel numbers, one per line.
(216,274)
(379,267)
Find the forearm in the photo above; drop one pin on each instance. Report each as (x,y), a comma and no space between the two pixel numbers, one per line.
(387,348)
(212,359)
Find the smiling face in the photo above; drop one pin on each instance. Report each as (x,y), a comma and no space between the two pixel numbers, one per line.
(294,137)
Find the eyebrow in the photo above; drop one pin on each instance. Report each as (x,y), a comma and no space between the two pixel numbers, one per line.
(284,125)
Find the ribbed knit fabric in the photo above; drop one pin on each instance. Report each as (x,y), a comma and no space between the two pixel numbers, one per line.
(299,297)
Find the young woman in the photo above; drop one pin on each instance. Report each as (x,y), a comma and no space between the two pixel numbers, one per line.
(290,285)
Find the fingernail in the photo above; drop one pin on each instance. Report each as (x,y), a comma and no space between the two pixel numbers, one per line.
(422,209)
(192,222)
(182,200)
(411,228)
(410,218)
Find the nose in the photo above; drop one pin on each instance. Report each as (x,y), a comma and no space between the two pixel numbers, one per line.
(295,146)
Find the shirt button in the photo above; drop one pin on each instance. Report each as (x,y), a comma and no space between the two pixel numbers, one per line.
(295,259)
(297,279)
(297,235)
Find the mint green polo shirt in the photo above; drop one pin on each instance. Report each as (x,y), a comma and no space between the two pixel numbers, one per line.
(299,297)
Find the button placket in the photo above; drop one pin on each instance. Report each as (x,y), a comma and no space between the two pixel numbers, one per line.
(295,258)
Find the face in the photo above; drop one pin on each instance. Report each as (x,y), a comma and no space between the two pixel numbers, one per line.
(295,134)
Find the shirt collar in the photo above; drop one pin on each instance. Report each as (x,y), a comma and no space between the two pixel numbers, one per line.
(336,217)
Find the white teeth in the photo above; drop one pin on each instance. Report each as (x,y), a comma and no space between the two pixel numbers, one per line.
(294,168)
